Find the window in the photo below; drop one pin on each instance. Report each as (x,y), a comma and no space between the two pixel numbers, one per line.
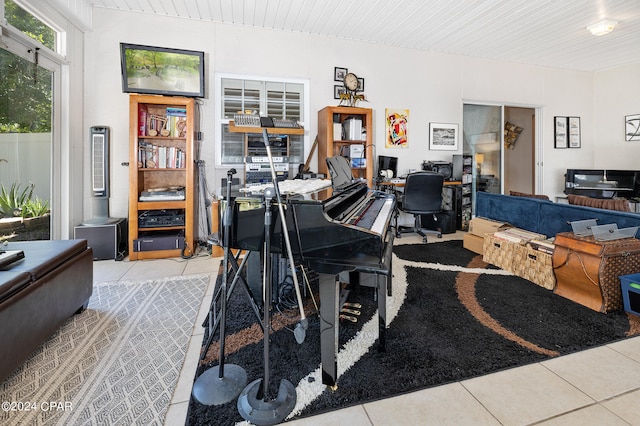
(29,132)
(273,98)
(29,24)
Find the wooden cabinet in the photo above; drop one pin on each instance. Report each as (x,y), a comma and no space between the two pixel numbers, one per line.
(257,169)
(162,176)
(333,140)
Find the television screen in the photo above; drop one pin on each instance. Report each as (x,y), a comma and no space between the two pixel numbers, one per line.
(161,70)
(388,163)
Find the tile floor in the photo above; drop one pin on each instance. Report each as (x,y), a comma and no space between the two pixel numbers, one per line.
(595,387)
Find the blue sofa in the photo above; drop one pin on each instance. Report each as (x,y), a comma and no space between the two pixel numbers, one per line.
(544,216)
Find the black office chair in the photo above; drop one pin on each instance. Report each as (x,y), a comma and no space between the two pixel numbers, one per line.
(422,196)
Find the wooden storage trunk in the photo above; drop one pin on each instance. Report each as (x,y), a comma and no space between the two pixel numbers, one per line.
(587,271)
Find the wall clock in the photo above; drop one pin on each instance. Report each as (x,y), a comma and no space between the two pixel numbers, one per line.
(351,82)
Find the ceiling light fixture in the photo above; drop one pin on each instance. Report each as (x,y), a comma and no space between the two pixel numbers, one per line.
(602,27)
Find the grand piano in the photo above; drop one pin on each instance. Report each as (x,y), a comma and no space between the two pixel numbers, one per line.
(341,237)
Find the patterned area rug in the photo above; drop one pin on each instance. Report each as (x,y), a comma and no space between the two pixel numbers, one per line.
(117,363)
(451,317)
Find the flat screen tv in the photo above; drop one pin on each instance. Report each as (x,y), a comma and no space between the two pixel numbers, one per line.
(388,163)
(162,71)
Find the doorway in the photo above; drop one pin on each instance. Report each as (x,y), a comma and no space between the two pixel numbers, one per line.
(502,142)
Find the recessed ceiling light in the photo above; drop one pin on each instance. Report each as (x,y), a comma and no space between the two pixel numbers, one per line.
(602,27)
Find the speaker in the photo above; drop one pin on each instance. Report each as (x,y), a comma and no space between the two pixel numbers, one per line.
(441,167)
(108,241)
(445,222)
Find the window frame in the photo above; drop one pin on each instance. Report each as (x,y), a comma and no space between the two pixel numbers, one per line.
(220,120)
(17,42)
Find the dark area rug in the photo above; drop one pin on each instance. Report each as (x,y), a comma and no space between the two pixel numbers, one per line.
(451,326)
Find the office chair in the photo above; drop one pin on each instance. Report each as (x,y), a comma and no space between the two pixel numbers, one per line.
(422,196)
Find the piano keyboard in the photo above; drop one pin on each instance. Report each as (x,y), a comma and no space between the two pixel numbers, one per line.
(381,220)
(373,214)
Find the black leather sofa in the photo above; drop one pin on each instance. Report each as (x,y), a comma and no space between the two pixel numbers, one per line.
(39,293)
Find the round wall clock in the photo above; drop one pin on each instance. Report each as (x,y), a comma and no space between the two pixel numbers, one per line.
(351,82)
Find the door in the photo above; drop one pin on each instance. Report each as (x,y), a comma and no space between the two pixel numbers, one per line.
(501,140)
(482,133)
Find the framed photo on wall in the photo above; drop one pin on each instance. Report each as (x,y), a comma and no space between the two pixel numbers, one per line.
(561,137)
(443,137)
(632,127)
(574,132)
(339,73)
(338,90)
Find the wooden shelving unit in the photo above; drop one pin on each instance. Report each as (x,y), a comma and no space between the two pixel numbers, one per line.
(178,171)
(330,144)
(275,131)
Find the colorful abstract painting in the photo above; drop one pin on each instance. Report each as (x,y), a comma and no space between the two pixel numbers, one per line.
(397,125)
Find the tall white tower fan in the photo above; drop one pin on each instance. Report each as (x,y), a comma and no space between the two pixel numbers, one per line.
(99,140)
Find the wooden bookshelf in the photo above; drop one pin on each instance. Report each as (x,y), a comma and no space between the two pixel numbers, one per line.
(161,157)
(330,144)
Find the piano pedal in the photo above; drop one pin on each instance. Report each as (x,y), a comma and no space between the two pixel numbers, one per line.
(352,305)
(348,318)
(350,311)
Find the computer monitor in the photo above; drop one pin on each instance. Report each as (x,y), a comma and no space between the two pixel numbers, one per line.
(387,163)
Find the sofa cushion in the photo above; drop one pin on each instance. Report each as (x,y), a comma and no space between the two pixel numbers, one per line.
(520,212)
(526,195)
(42,257)
(11,282)
(618,204)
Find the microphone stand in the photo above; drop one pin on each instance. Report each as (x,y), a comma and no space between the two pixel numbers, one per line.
(219,385)
(255,403)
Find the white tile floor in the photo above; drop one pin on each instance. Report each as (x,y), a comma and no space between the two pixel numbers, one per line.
(599,386)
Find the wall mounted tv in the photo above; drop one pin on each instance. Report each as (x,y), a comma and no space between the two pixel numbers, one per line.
(162,71)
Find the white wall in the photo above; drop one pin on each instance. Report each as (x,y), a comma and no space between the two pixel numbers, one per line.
(617,94)
(432,86)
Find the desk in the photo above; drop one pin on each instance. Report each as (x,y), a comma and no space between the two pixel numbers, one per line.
(451,198)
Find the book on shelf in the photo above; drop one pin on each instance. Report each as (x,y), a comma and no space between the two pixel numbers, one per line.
(142,120)
(151,156)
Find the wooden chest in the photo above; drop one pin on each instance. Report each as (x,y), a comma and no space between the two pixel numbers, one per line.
(587,271)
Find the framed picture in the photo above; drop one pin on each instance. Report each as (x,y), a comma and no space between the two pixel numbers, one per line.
(443,137)
(339,73)
(574,132)
(338,90)
(632,127)
(161,70)
(561,138)
(360,85)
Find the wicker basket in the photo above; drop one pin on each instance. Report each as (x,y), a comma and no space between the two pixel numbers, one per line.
(498,252)
(535,266)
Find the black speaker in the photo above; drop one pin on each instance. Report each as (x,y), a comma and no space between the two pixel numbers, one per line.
(441,167)
(445,222)
(108,241)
